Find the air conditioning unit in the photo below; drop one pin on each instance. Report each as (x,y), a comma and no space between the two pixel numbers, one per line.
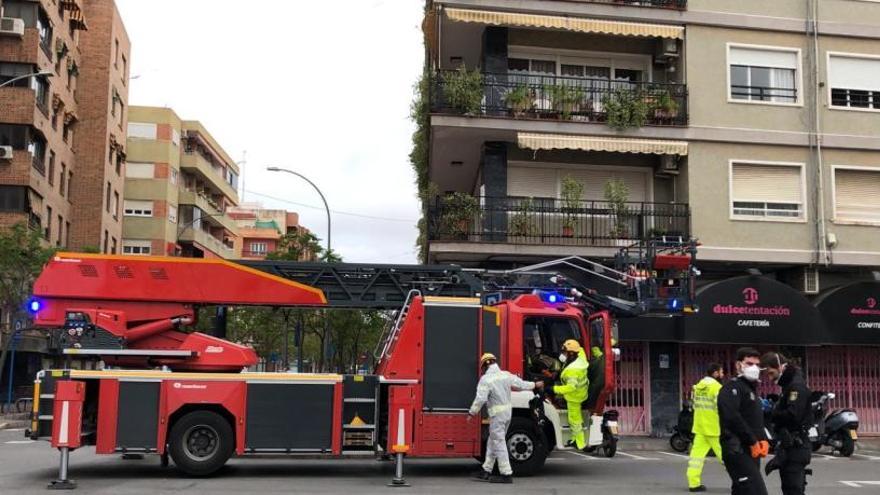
(11,26)
(667,50)
(669,165)
(5,152)
(811,281)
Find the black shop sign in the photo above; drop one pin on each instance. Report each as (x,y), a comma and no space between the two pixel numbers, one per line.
(852,313)
(753,310)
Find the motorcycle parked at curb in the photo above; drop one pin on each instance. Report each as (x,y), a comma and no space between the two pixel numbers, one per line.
(838,430)
(682,434)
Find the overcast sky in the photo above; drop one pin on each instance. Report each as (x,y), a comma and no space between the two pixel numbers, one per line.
(321,87)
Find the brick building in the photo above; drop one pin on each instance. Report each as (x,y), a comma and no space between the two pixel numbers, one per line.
(97,190)
(260,230)
(179,185)
(61,132)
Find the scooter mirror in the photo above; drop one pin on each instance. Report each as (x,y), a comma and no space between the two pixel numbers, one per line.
(831,396)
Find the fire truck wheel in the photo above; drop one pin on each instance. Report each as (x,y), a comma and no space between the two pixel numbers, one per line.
(526,447)
(200,443)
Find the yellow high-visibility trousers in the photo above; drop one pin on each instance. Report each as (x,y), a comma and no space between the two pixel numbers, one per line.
(576,424)
(699,449)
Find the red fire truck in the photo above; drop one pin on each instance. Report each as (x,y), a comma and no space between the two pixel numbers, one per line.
(189,396)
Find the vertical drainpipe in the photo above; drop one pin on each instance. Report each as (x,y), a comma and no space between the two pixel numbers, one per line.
(822,255)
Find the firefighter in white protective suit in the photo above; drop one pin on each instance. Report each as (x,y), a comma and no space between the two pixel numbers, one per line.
(493,391)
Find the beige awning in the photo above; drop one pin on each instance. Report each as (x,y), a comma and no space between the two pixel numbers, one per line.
(534,141)
(579,24)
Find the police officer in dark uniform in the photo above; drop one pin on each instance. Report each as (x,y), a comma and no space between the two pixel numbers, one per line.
(792,419)
(743,441)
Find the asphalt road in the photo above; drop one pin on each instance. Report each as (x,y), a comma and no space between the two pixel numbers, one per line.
(26,467)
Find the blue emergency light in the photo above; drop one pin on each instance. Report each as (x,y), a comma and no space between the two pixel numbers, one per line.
(550,297)
(34,306)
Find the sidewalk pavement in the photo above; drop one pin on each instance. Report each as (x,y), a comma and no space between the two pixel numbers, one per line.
(653,444)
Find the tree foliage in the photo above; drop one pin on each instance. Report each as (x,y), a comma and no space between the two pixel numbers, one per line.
(22,256)
(332,340)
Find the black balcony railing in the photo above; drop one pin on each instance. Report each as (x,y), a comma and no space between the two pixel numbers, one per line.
(658,4)
(547,221)
(763,93)
(559,98)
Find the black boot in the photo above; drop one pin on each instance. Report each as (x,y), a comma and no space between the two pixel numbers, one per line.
(504,478)
(482,475)
(772,465)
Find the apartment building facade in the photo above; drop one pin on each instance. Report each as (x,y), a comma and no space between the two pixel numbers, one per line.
(260,230)
(61,132)
(58,129)
(564,128)
(180,185)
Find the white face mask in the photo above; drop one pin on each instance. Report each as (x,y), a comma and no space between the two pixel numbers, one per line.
(563,358)
(751,372)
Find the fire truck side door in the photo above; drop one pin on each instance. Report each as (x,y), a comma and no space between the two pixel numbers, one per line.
(601,356)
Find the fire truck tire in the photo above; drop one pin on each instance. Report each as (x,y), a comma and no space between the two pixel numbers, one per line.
(200,443)
(526,447)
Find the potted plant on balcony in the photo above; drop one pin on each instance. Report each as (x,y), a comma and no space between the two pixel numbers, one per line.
(463,90)
(565,100)
(519,100)
(617,194)
(521,222)
(666,108)
(625,109)
(572,194)
(457,214)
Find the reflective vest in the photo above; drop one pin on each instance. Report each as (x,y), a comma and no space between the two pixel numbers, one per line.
(706,421)
(574,380)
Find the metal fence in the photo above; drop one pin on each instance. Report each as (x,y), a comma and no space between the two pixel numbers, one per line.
(519,220)
(522,95)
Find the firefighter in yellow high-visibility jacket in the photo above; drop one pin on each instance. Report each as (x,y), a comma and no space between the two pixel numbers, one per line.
(707,425)
(574,388)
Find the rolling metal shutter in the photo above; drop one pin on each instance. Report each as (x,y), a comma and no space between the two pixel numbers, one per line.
(767,183)
(856,195)
(544,182)
(854,73)
(532,182)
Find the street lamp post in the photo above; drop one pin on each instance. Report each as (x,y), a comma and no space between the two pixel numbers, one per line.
(326,207)
(326,320)
(42,73)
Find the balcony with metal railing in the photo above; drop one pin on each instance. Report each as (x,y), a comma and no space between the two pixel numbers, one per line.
(534,96)
(549,221)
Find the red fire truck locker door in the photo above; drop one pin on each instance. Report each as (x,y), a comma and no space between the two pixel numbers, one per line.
(67,413)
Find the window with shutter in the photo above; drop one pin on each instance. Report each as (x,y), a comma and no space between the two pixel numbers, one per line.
(594,181)
(532,182)
(764,74)
(132,208)
(134,170)
(137,246)
(767,191)
(142,130)
(854,81)
(857,195)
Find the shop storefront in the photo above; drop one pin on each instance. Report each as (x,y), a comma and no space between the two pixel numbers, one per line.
(836,338)
(850,366)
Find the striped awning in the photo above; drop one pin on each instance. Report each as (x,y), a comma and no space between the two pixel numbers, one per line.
(536,141)
(77,19)
(578,24)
